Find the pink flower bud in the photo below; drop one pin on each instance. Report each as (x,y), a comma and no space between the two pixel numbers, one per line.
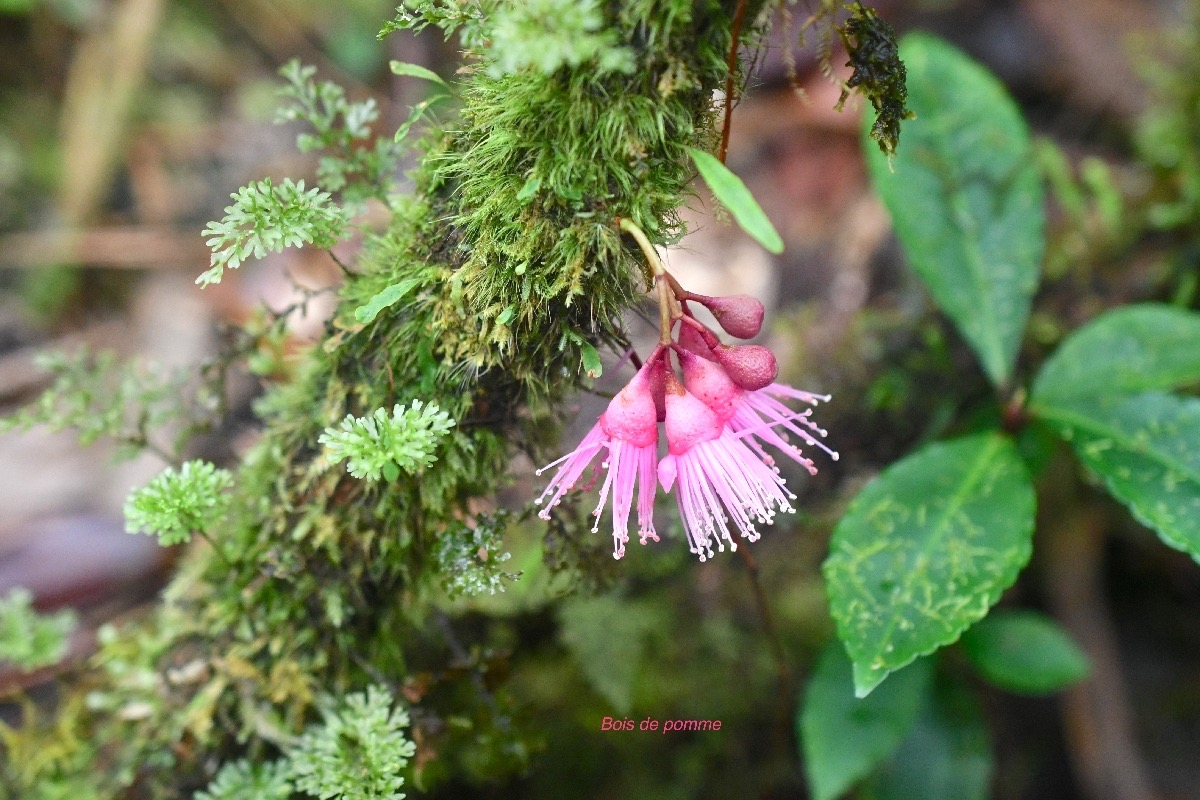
(628,430)
(689,421)
(740,315)
(751,366)
(631,415)
(690,339)
(709,381)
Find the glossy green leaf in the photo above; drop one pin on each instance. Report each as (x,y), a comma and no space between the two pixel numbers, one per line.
(926,549)
(384,299)
(416,71)
(1024,652)
(842,737)
(946,757)
(730,192)
(1146,449)
(1124,351)
(966,198)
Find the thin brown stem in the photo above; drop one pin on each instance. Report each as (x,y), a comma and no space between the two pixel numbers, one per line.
(1098,716)
(764,613)
(739,17)
(783,672)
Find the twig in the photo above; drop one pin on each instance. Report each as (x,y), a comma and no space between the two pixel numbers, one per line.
(783,672)
(739,16)
(764,612)
(1097,719)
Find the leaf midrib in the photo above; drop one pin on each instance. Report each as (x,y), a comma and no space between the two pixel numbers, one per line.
(1092,425)
(942,525)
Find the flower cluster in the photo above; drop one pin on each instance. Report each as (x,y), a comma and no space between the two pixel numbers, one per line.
(717,422)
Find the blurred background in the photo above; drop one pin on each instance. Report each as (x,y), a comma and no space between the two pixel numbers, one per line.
(126,124)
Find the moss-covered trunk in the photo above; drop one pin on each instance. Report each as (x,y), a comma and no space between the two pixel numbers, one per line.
(516,262)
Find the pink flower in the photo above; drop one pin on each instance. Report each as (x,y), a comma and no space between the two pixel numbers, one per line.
(629,430)
(719,478)
(755,414)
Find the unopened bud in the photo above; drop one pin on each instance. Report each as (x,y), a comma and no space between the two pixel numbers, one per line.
(740,315)
(690,340)
(751,366)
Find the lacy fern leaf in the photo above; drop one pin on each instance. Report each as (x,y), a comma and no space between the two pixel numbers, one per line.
(241,780)
(265,218)
(28,639)
(357,752)
(177,504)
(380,445)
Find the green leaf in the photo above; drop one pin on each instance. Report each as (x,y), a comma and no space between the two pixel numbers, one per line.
(266,219)
(1146,449)
(379,445)
(966,199)
(384,299)
(415,114)
(926,549)
(530,188)
(733,194)
(179,503)
(591,360)
(946,757)
(416,71)
(358,750)
(31,640)
(242,780)
(844,738)
(1024,652)
(1124,351)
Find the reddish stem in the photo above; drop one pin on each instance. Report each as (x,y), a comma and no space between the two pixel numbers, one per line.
(731,65)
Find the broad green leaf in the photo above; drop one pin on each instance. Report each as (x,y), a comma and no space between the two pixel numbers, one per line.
(416,71)
(1124,351)
(926,549)
(946,757)
(966,198)
(733,194)
(1024,652)
(844,738)
(1146,449)
(384,299)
